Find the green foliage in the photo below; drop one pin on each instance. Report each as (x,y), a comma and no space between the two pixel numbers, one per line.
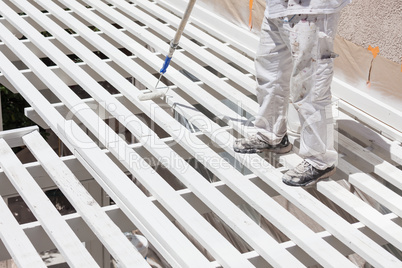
(46,34)
(13,110)
(13,113)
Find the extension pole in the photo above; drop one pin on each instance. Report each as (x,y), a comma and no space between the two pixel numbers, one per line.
(174,43)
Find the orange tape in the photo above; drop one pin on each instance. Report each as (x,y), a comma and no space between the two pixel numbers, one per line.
(375,51)
(250,20)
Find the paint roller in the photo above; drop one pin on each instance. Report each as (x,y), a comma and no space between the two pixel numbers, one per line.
(173,45)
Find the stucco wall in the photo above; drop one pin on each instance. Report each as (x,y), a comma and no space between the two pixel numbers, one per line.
(375,23)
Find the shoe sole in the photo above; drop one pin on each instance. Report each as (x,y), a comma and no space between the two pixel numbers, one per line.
(282,150)
(311,183)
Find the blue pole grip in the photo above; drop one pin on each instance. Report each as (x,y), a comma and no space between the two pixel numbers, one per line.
(165,65)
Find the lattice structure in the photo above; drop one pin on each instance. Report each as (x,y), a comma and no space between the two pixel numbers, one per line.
(81,66)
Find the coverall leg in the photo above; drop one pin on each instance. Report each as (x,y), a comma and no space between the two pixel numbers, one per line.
(295,63)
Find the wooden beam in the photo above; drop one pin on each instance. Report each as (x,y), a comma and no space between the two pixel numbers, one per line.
(13,137)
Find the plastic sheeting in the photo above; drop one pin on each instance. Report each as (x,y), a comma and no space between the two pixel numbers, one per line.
(353,65)
(237,11)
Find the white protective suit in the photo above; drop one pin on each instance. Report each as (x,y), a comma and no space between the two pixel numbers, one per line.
(281,8)
(295,62)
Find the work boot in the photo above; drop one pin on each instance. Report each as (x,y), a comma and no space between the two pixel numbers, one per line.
(256,144)
(305,174)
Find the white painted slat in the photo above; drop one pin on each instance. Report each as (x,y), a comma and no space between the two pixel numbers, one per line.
(13,136)
(61,234)
(384,129)
(362,211)
(386,148)
(115,213)
(92,104)
(41,178)
(261,237)
(156,227)
(41,54)
(17,243)
(206,234)
(107,232)
(377,109)
(372,187)
(66,79)
(378,191)
(38,27)
(382,168)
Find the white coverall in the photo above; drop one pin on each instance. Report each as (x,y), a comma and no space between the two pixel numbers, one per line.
(295,62)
